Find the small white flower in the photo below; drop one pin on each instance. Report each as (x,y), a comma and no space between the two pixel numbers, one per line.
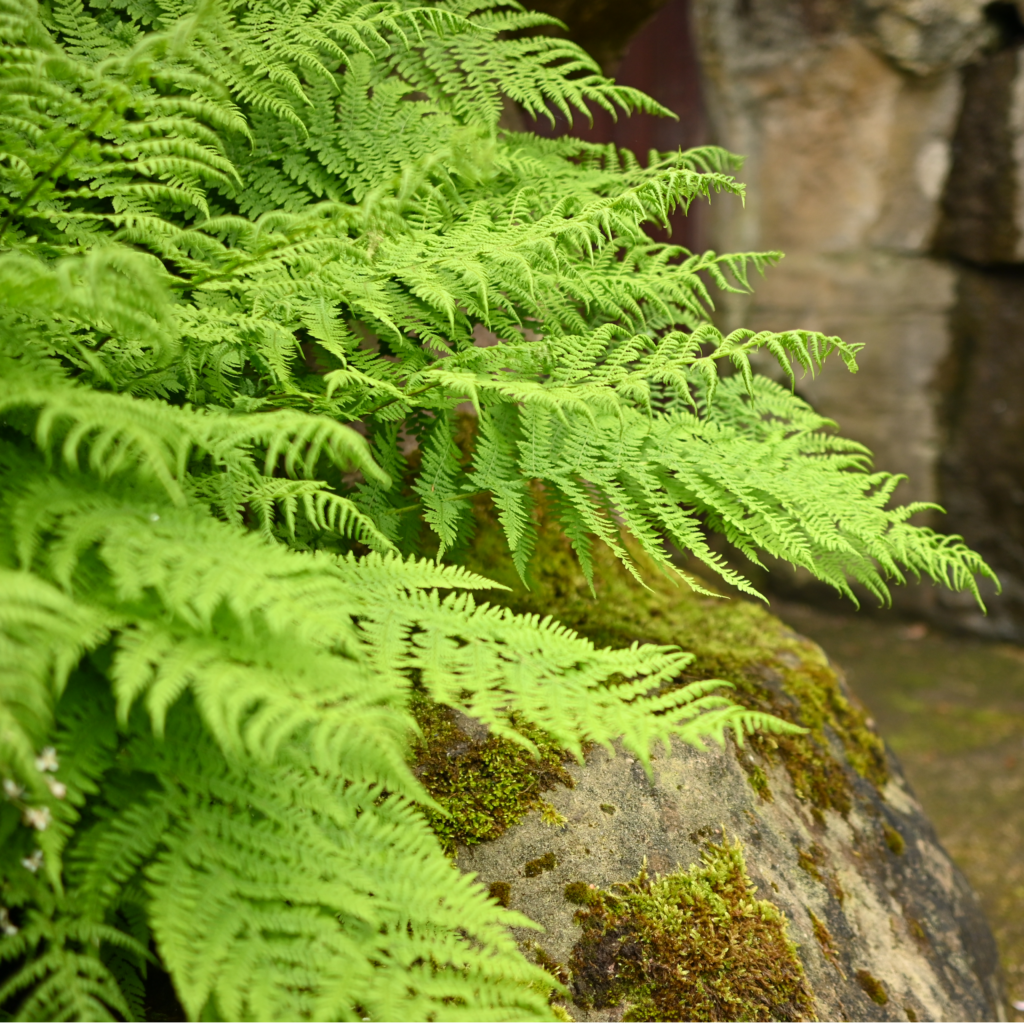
(58,789)
(5,923)
(47,760)
(33,863)
(153,517)
(38,817)
(12,790)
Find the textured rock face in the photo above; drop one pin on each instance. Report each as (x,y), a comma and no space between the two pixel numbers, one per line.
(886,143)
(856,909)
(981,478)
(983,218)
(926,36)
(982,464)
(847,159)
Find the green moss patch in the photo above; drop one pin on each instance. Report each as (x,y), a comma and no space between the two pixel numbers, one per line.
(893,839)
(772,668)
(873,987)
(546,862)
(486,785)
(693,945)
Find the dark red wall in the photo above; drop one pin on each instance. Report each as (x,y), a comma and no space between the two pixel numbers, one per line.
(661,60)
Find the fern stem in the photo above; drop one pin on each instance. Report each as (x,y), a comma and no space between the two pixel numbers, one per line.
(391,401)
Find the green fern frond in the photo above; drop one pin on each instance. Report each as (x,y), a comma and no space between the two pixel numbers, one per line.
(278,300)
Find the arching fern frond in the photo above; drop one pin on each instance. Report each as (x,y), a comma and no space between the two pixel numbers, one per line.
(279,299)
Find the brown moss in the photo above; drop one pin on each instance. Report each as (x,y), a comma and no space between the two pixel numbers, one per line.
(772,668)
(546,862)
(500,892)
(873,987)
(824,937)
(814,861)
(544,959)
(893,839)
(486,785)
(809,863)
(693,945)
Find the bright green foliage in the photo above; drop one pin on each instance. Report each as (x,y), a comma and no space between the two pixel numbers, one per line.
(247,254)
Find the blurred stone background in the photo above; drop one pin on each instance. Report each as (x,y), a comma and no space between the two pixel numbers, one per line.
(885,156)
(884,145)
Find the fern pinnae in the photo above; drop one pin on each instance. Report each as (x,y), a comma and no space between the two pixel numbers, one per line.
(293,217)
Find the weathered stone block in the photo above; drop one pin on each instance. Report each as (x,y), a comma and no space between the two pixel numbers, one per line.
(983,205)
(982,465)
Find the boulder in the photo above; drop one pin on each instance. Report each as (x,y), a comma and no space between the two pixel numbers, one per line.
(793,878)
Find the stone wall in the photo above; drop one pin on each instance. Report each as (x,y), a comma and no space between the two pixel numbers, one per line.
(846,159)
(885,157)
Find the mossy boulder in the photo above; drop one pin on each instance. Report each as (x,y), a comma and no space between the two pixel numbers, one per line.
(793,878)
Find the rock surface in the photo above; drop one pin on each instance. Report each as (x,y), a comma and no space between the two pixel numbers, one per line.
(878,922)
(886,159)
(982,463)
(847,157)
(983,205)
(907,919)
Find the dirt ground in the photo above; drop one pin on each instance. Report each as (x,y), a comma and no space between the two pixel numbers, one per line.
(952,708)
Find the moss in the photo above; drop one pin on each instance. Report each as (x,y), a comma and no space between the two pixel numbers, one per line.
(772,668)
(873,987)
(608,808)
(909,1011)
(560,975)
(810,864)
(814,862)
(486,785)
(757,777)
(916,929)
(581,894)
(546,862)
(828,948)
(544,959)
(893,839)
(692,945)
(500,892)
(550,815)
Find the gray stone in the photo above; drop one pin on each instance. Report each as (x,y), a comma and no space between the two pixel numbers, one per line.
(908,919)
(983,205)
(982,464)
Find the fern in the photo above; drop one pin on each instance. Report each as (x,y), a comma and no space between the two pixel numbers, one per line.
(250,256)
